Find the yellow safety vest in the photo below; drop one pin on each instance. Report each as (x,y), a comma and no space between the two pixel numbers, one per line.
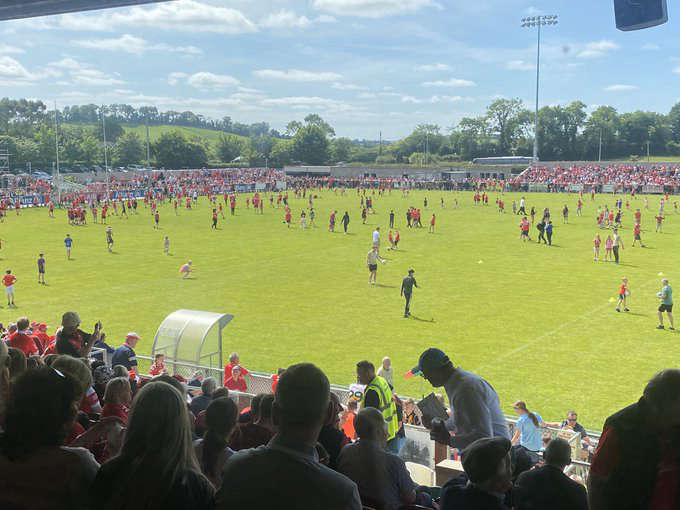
(387,406)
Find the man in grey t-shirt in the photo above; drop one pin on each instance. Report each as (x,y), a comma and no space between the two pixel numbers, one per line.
(475,407)
(666,297)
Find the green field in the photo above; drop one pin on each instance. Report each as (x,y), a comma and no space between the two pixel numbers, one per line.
(536,321)
(155,132)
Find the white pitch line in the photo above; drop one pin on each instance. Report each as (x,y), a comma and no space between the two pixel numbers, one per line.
(549,333)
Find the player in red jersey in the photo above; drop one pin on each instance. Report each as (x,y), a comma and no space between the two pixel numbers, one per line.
(8,281)
(288,217)
(156,219)
(624,292)
(432,223)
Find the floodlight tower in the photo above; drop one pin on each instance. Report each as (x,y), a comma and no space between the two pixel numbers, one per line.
(538,22)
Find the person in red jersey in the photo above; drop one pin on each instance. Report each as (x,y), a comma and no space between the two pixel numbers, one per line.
(117,399)
(288,217)
(156,219)
(23,340)
(236,382)
(636,235)
(624,292)
(8,281)
(158,365)
(233,361)
(432,223)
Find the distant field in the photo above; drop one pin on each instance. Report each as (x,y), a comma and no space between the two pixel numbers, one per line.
(536,321)
(155,132)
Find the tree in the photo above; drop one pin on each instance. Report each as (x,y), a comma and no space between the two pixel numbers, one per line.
(228,148)
(310,145)
(314,119)
(281,154)
(173,151)
(505,122)
(129,149)
(674,121)
(341,149)
(293,127)
(113,130)
(90,149)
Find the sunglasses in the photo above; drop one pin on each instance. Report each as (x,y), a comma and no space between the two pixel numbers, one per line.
(571,419)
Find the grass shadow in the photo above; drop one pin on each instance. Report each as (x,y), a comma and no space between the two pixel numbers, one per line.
(416,318)
(385,286)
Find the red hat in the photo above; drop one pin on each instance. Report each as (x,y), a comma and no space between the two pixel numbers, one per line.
(42,326)
(34,324)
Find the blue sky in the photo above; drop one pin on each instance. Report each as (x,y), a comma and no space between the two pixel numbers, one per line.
(364,65)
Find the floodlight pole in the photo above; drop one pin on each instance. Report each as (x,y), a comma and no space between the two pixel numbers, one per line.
(106,164)
(538,21)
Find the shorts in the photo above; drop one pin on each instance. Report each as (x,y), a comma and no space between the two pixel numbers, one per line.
(376,245)
(373,267)
(637,237)
(665,308)
(10,289)
(41,270)
(622,296)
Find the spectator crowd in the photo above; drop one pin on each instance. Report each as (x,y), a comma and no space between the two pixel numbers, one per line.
(76,433)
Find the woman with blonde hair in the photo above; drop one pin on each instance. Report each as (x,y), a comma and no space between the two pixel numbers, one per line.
(157,466)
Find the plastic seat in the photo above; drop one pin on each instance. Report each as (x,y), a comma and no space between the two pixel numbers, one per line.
(422,475)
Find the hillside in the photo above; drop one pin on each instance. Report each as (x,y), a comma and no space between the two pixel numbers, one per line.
(155,132)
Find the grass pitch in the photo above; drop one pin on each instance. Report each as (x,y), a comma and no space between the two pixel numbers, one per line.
(536,321)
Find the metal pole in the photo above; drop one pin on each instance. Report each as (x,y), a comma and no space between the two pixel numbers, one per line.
(106,162)
(599,153)
(148,156)
(538,64)
(56,143)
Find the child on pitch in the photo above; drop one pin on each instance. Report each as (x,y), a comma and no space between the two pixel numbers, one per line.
(8,281)
(659,220)
(608,248)
(636,235)
(390,238)
(624,292)
(524,230)
(397,238)
(109,239)
(432,222)
(166,245)
(596,246)
(186,270)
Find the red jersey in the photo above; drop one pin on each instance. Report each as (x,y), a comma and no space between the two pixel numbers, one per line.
(236,384)
(8,280)
(117,410)
(623,289)
(156,369)
(24,343)
(636,229)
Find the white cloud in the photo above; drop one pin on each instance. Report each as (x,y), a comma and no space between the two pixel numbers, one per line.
(83,74)
(307,102)
(6,48)
(325,18)
(136,45)
(181,15)
(433,67)
(14,71)
(94,77)
(205,80)
(432,100)
(347,86)
(453,82)
(297,75)
(620,88)
(532,11)
(68,63)
(372,8)
(367,95)
(520,65)
(598,48)
(174,78)
(677,70)
(285,19)
(650,47)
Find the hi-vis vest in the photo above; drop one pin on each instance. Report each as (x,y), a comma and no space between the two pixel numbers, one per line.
(387,405)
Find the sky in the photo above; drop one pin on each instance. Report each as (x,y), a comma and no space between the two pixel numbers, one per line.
(365,66)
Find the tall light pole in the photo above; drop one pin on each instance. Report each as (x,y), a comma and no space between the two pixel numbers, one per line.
(106,162)
(538,22)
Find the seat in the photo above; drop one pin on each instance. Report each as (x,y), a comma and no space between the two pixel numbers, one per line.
(413,507)
(422,475)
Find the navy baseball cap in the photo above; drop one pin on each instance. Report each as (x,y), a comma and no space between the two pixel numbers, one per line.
(429,360)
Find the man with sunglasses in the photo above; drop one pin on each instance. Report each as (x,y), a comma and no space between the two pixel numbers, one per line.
(571,423)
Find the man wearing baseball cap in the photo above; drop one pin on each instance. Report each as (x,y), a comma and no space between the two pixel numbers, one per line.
(476,411)
(125,354)
(488,468)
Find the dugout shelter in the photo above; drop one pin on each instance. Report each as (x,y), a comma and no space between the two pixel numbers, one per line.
(191,339)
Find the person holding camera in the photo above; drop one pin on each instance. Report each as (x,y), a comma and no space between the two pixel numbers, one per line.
(72,341)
